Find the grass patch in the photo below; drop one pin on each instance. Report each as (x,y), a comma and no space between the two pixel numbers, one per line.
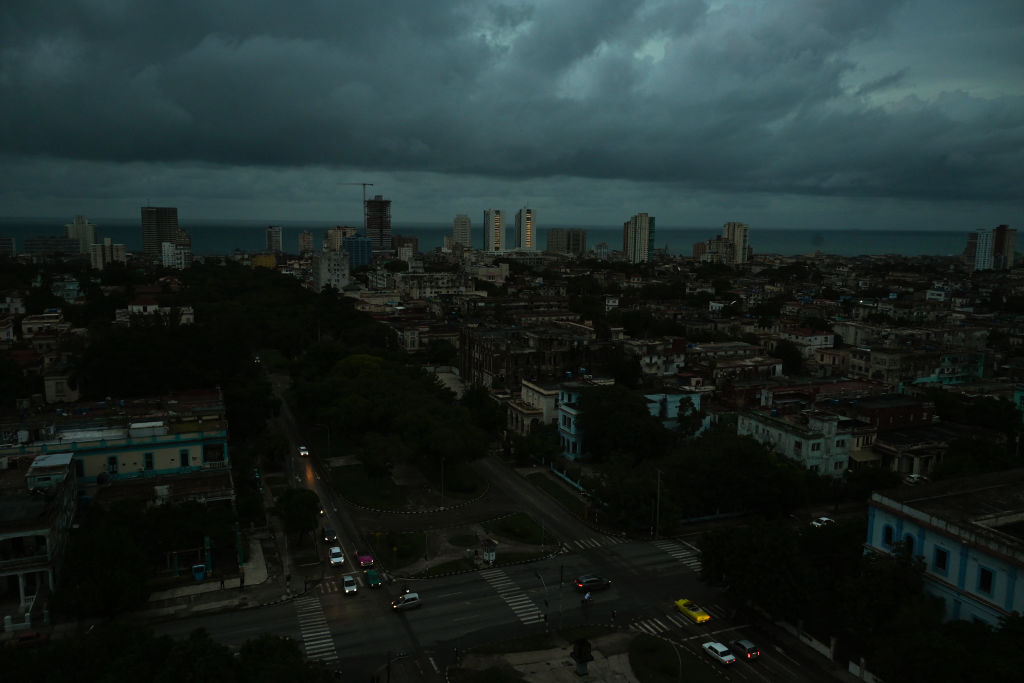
(460,565)
(355,485)
(395,550)
(517,526)
(464,540)
(655,661)
(565,498)
(503,559)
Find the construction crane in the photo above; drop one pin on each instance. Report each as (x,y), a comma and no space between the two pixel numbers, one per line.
(364,202)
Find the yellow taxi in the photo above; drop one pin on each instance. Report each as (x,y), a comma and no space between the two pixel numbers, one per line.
(692,611)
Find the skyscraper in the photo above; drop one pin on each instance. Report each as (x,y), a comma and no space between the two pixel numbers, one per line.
(159,225)
(462,230)
(637,235)
(102,255)
(739,235)
(983,251)
(1004,247)
(305,243)
(567,241)
(275,243)
(378,222)
(83,231)
(525,237)
(494,230)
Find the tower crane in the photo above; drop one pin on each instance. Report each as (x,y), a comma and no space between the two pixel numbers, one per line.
(364,202)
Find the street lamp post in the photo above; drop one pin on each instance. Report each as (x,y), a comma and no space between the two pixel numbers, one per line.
(657,506)
(544,583)
(442,481)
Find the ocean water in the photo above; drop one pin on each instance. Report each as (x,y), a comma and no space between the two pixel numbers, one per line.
(211,238)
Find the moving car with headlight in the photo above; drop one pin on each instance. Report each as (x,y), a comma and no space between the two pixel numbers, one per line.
(349,583)
(336,556)
(591,582)
(406,601)
(692,611)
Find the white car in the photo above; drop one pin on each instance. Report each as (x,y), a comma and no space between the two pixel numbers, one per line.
(914,479)
(719,652)
(337,557)
(350,584)
(819,522)
(303,451)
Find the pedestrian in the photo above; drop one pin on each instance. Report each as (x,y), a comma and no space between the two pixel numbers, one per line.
(587,596)
(613,616)
(222,583)
(241,582)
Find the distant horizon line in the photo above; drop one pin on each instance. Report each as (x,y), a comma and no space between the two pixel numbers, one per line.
(326,224)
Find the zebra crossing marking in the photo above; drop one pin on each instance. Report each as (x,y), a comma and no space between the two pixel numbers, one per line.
(682,551)
(520,604)
(593,542)
(667,622)
(316,635)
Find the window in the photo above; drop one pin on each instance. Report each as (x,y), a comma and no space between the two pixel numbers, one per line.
(815,446)
(985,577)
(112,464)
(798,446)
(148,461)
(183,454)
(840,443)
(941,561)
(887,533)
(908,541)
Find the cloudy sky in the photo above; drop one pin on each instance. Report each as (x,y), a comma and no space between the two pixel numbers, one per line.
(780,113)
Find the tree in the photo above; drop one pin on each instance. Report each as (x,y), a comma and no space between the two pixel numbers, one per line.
(298,509)
(792,359)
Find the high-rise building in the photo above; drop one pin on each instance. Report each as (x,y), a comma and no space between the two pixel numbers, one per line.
(378,222)
(637,238)
(177,253)
(567,241)
(275,243)
(8,247)
(462,230)
(159,225)
(330,269)
(102,255)
(983,250)
(494,230)
(360,251)
(83,231)
(525,237)
(1004,246)
(305,243)
(337,235)
(739,235)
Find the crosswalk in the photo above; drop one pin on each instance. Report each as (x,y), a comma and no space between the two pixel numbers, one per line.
(593,542)
(682,551)
(316,636)
(513,596)
(675,621)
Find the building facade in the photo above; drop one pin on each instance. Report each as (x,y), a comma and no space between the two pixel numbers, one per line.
(572,241)
(739,235)
(275,243)
(968,534)
(82,230)
(525,235)
(638,238)
(494,230)
(159,225)
(462,230)
(102,255)
(378,222)
(305,243)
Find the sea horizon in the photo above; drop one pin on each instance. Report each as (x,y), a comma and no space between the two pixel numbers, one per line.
(226,236)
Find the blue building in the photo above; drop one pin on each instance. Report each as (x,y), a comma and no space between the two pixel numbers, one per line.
(970,535)
(359,249)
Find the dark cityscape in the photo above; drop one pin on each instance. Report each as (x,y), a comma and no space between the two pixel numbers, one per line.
(385,342)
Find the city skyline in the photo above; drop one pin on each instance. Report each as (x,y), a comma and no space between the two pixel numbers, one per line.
(801,114)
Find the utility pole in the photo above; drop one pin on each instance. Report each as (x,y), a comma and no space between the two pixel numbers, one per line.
(364,203)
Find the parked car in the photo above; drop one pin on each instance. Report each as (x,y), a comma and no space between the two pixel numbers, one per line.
(336,556)
(365,559)
(744,649)
(819,522)
(591,582)
(373,579)
(914,479)
(720,653)
(329,535)
(303,451)
(349,584)
(692,611)
(406,601)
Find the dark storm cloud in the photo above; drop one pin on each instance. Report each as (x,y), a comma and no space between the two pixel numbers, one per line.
(751,97)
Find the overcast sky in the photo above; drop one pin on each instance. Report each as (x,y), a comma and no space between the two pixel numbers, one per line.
(781,113)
